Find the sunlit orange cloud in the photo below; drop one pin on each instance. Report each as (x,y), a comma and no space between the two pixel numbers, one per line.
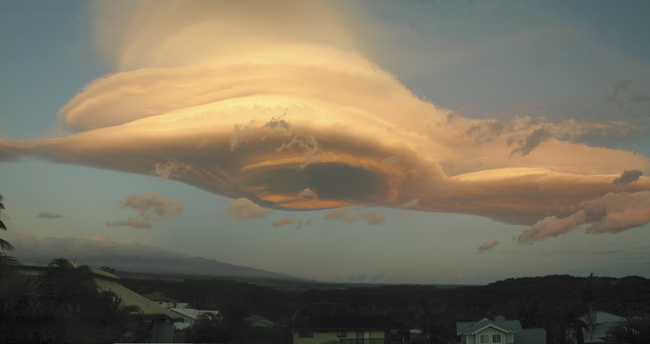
(248,100)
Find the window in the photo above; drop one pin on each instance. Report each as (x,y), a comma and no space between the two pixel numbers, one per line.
(484,339)
(341,334)
(306,334)
(496,338)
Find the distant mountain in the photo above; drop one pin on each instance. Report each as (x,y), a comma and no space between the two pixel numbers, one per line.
(179,265)
(136,257)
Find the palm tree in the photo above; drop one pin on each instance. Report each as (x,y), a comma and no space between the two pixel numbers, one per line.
(69,284)
(4,245)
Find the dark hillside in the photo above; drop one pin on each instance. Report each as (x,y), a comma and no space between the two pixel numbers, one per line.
(551,302)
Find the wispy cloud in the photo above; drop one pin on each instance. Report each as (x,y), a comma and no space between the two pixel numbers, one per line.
(488,245)
(344,215)
(133,223)
(285,220)
(49,216)
(47,248)
(300,223)
(151,207)
(611,213)
(245,209)
(628,177)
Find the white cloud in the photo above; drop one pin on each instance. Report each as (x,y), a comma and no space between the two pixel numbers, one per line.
(294,107)
(488,245)
(342,214)
(150,206)
(308,193)
(244,209)
(611,213)
(31,248)
(285,220)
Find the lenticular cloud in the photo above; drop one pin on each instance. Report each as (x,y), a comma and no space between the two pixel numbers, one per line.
(259,102)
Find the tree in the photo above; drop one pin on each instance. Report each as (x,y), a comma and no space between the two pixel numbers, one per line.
(633,330)
(4,245)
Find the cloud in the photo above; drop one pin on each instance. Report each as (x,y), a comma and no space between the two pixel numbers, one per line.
(537,137)
(167,170)
(278,106)
(302,223)
(623,98)
(133,223)
(308,193)
(611,213)
(628,177)
(44,249)
(151,206)
(410,204)
(48,216)
(244,209)
(342,214)
(283,221)
(552,226)
(488,245)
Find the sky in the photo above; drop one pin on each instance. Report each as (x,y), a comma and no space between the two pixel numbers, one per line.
(348,141)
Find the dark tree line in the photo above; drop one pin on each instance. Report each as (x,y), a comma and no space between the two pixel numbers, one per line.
(554,302)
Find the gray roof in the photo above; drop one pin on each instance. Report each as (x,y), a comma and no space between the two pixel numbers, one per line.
(129,297)
(602,317)
(472,327)
(195,313)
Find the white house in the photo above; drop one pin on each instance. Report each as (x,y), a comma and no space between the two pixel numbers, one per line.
(600,324)
(498,331)
(190,315)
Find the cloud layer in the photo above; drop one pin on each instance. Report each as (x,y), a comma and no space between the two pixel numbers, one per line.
(150,207)
(292,116)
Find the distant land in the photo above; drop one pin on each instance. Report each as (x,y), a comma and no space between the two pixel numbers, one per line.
(179,265)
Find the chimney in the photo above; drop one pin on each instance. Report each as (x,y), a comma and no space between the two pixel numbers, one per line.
(499,318)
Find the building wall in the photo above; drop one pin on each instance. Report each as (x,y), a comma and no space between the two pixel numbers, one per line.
(505,339)
(162,331)
(323,336)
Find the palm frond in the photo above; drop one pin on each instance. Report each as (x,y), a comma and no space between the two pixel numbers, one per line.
(6,246)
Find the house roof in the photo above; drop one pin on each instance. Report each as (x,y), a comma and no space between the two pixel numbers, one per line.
(602,317)
(350,323)
(158,296)
(195,313)
(129,297)
(499,323)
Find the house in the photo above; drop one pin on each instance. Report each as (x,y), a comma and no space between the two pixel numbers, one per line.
(161,299)
(190,316)
(259,321)
(498,331)
(157,320)
(350,330)
(600,324)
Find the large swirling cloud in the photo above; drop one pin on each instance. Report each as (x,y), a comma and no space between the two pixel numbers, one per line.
(262,103)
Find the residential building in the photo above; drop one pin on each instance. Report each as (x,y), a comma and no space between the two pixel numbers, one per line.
(498,331)
(350,330)
(161,299)
(156,319)
(600,324)
(190,316)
